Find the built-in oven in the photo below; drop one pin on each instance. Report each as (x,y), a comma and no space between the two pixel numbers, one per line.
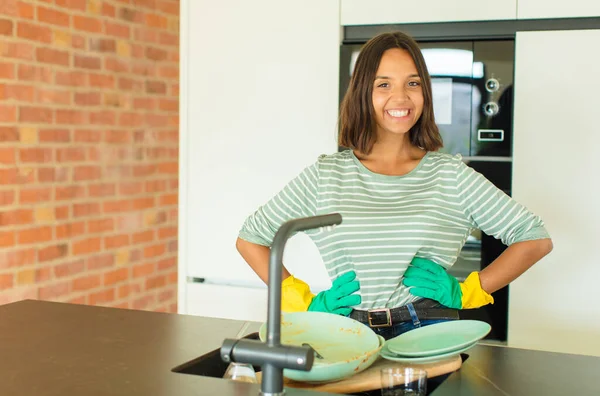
(472,98)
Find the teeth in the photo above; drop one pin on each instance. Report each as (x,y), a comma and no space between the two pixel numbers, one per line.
(398,113)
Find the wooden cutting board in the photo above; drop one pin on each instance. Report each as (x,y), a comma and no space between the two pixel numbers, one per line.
(370,379)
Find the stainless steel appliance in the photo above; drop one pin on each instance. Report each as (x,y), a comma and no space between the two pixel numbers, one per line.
(473,97)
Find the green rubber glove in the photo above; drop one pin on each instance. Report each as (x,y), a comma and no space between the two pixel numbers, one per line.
(430,280)
(339,299)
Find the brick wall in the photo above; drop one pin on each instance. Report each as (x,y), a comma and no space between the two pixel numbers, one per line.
(89,151)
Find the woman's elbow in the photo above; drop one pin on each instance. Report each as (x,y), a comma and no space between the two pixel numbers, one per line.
(545,246)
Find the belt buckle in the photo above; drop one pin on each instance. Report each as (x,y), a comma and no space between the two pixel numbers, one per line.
(379,317)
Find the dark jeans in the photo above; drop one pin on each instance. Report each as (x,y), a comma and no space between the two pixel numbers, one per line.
(390,332)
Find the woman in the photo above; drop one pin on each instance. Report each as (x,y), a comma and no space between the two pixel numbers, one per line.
(407,209)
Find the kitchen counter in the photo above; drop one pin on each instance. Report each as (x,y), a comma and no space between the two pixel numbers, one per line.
(57,349)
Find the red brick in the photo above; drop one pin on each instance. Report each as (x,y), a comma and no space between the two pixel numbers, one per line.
(79,5)
(19,50)
(71,78)
(8,114)
(144,302)
(156,21)
(41,115)
(53,96)
(54,136)
(71,117)
(71,154)
(53,252)
(77,300)
(156,87)
(156,282)
(126,290)
(116,206)
(103,117)
(69,269)
(116,241)
(6,281)
(169,7)
(117,29)
(131,188)
(86,209)
(116,276)
(30,31)
(18,92)
(69,192)
(8,155)
(87,136)
(53,16)
(35,195)
(169,199)
(88,245)
(16,217)
(53,291)
(88,172)
(168,263)
(143,203)
(43,274)
(101,225)
(35,155)
(116,65)
(7,198)
(143,270)
(104,45)
(34,235)
(168,167)
(108,10)
(102,190)
(15,258)
(25,10)
(166,295)
(86,282)
(88,24)
(102,297)
(87,98)
(7,70)
(100,261)
(144,236)
(61,212)
(87,62)
(52,56)
(6,27)
(154,250)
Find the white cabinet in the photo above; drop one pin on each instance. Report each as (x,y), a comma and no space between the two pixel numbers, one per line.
(534,9)
(372,12)
(258,103)
(227,302)
(554,306)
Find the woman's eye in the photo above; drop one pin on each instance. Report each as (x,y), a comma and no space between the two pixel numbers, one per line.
(383,85)
(414,83)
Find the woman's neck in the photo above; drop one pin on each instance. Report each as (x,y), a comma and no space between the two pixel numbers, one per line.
(393,155)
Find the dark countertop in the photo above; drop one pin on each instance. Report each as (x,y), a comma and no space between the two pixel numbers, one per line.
(57,349)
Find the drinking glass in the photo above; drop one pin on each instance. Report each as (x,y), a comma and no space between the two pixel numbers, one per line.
(403,381)
(241,372)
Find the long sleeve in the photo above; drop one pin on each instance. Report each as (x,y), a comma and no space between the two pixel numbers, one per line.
(494,212)
(297,199)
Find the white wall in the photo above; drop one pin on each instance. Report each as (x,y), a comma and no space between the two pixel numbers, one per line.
(555,306)
(534,9)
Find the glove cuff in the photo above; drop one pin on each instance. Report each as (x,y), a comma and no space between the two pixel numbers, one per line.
(295,295)
(473,296)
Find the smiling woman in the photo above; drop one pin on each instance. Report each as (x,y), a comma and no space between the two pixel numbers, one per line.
(407,209)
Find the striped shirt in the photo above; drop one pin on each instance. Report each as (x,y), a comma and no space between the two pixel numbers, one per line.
(387,220)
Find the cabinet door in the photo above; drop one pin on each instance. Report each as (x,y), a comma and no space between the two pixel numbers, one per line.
(554,306)
(226,302)
(534,9)
(373,12)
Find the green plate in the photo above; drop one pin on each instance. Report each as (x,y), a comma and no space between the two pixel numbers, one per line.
(438,338)
(387,354)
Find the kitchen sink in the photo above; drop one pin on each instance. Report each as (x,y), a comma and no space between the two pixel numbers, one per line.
(211,365)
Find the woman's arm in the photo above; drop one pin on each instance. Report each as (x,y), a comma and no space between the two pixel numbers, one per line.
(513,262)
(257,257)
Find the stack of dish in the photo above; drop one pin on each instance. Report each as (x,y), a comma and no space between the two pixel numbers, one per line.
(435,342)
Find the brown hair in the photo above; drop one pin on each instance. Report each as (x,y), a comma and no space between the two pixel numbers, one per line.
(357,123)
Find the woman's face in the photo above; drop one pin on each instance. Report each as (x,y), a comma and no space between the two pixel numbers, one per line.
(397,93)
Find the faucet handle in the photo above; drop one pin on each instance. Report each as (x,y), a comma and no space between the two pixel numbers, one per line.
(258,353)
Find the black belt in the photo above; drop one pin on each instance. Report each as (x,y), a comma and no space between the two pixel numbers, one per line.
(386,317)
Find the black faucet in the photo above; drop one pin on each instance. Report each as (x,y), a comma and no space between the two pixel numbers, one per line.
(271,355)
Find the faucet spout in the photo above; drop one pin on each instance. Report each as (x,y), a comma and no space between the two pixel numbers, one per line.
(273,356)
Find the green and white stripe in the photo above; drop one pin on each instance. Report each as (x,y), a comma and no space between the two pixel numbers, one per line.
(387,220)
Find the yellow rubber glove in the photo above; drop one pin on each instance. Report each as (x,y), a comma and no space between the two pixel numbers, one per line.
(295,295)
(473,296)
